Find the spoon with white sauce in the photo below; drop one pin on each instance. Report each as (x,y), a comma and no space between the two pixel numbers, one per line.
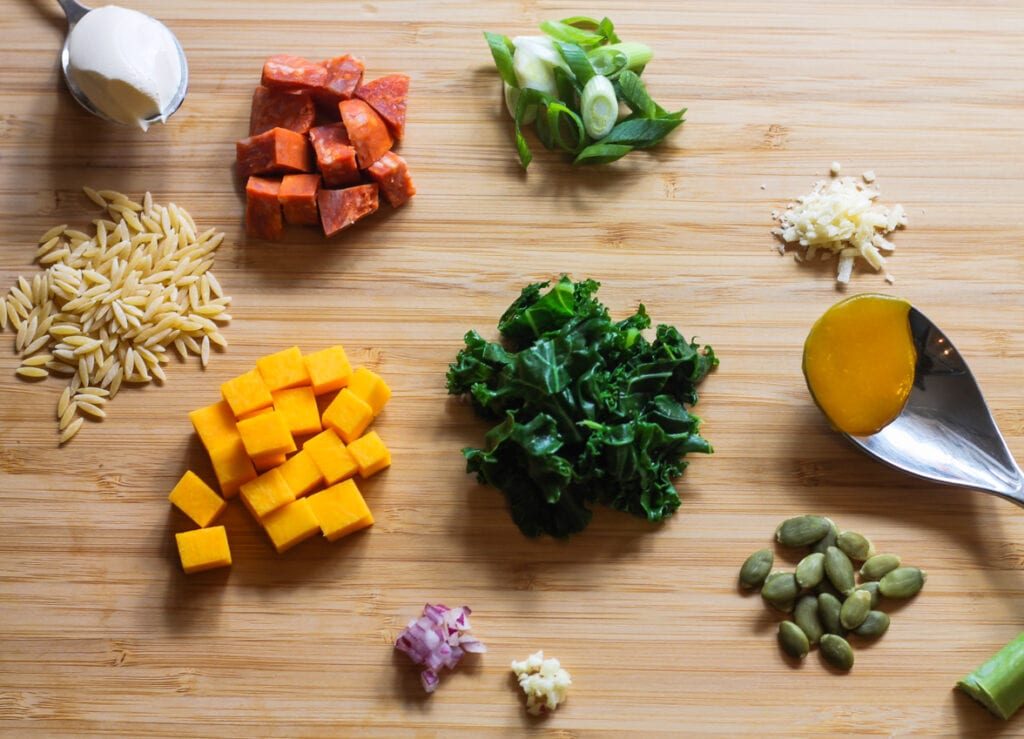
(123,65)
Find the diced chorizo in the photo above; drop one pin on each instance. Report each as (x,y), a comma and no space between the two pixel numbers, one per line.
(344,73)
(367,131)
(335,156)
(391,173)
(298,198)
(281,109)
(387,95)
(275,151)
(262,209)
(286,72)
(339,209)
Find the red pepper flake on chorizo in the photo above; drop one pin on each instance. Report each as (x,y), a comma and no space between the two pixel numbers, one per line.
(331,174)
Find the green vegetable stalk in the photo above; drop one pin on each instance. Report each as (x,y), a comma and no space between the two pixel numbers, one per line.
(999,683)
(587,409)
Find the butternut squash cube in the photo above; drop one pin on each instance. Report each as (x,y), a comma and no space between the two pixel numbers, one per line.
(195,499)
(203,549)
(340,510)
(348,415)
(266,434)
(301,473)
(368,386)
(266,493)
(370,454)
(298,406)
(283,369)
(331,457)
(268,461)
(260,412)
(246,393)
(232,466)
(329,369)
(215,424)
(291,524)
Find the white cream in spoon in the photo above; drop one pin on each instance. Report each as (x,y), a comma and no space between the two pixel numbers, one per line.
(126,63)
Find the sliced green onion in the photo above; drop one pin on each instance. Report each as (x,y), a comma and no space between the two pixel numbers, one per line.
(568,87)
(602,153)
(501,50)
(576,58)
(525,155)
(999,683)
(532,71)
(582,21)
(564,32)
(543,130)
(608,63)
(635,95)
(613,58)
(607,28)
(599,106)
(512,99)
(557,112)
(641,133)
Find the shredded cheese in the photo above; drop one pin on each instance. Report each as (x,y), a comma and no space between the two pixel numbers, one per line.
(840,218)
(545,682)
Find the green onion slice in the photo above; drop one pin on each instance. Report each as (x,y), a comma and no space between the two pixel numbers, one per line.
(634,94)
(501,50)
(568,87)
(559,112)
(641,133)
(602,153)
(577,60)
(607,28)
(564,32)
(599,106)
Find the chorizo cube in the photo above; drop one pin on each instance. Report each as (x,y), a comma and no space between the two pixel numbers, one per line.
(298,198)
(339,209)
(366,129)
(335,156)
(263,209)
(391,173)
(344,73)
(293,73)
(387,95)
(281,109)
(275,151)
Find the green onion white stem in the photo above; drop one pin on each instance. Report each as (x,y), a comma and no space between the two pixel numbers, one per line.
(599,106)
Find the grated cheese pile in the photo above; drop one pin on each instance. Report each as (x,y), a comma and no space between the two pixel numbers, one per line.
(840,217)
(545,682)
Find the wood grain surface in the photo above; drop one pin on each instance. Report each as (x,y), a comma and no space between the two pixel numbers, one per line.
(100,632)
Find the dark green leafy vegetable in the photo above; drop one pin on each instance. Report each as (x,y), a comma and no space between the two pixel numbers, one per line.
(588,409)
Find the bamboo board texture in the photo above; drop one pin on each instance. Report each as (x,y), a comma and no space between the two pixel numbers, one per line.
(100,632)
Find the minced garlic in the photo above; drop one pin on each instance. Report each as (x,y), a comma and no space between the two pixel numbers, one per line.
(544,681)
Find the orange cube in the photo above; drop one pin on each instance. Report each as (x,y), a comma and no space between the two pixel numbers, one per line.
(369,387)
(340,510)
(232,466)
(331,457)
(348,415)
(195,499)
(329,369)
(370,454)
(266,434)
(260,412)
(268,461)
(298,406)
(301,473)
(283,369)
(215,424)
(289,525)
(203,549)
(266,493)
(246,393)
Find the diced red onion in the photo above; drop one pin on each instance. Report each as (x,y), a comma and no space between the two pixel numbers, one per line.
(439,638)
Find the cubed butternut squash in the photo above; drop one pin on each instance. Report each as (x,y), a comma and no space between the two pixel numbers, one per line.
(370,454)
(266,493)
(298,407)
(340,510)
(283,369)
(348,415)
(203,549)
(329,369)
(369,387)
(232,466)
(246,393)
(301,473)
(266,434)
(290,524)
(196,499)
(269,461)
(215,424)
(331,457)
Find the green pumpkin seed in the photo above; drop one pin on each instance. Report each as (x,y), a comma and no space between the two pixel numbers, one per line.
(855,546)
(793,640)
(805,614)
(871,587)
(903,582)
(780,588)
(829,607)
(756,568)
(837,651)
(839,570)
(828,540)
(826,587)
(810,571)
(855,609)
(801,531)
(876,624)
(877,567)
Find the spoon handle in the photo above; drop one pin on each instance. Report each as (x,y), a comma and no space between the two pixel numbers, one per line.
(74,11)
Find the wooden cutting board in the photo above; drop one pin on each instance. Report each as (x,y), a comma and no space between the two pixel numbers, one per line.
(100,632)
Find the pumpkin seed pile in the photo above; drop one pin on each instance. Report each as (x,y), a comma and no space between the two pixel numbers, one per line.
(823,595)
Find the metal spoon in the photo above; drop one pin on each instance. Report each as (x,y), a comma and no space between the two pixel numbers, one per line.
(75,11)
(946,432)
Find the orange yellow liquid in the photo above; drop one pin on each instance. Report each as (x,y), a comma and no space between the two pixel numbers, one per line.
(859,362)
